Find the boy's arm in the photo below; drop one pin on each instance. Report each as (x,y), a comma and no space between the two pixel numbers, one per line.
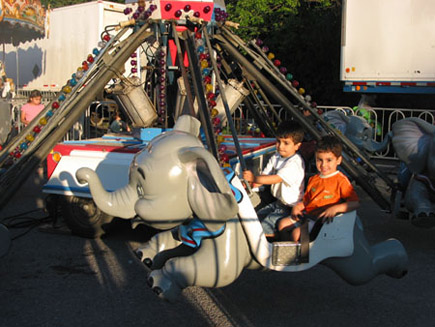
(267,179)
(249,177)
(332,211)
(297,210)
(261,179)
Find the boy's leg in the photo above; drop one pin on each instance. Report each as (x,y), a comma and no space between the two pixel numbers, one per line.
(267,210)
(289,229)
(269,222)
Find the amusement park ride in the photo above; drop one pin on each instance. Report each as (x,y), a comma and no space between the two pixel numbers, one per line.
(189,72)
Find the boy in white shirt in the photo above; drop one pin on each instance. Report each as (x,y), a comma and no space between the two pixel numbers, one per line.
(285,172)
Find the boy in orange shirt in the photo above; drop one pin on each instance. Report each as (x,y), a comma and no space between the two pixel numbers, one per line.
(328,193)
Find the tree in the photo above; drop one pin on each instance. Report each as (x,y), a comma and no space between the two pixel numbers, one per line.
(304,35)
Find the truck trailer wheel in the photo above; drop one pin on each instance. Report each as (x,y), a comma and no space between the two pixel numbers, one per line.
(84,218)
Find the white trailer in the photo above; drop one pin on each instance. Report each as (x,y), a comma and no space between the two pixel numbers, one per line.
(388,46)
(71,34)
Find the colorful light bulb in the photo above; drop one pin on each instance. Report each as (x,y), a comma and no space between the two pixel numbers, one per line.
(208,88)
(79,73)
(216,121)
(220,139)
(222,148)
(225,157)
(66,89)
(204,63)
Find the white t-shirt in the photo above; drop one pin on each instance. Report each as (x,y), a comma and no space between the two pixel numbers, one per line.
(292,171)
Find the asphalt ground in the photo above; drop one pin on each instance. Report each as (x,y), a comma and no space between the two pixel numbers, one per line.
(52,278)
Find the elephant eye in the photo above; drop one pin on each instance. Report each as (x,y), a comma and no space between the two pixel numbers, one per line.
(141,172)
(366,134)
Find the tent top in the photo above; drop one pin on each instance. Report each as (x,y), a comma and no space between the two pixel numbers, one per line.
(21,21)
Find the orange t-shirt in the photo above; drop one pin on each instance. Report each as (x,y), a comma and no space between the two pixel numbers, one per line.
(325,191)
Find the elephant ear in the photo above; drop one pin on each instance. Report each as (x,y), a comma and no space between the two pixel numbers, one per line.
(337,119)
(209,193)
(188,124)
(413,141)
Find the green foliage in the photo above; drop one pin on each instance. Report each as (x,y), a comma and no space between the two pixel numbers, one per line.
(259,16)
(303,34)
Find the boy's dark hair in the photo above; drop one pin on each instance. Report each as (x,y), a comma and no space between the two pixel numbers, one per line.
(330,143)
(291,129)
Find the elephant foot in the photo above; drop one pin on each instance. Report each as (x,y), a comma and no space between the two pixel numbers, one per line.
(397,273)
(423,220)
(165,288)
(143,257)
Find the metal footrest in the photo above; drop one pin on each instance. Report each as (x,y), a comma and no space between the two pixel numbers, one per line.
(286,253)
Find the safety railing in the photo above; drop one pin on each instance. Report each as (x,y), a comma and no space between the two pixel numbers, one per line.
(381,119)
(94,122)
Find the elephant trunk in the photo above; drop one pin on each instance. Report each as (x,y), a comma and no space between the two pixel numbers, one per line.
(374,146)
(117,204)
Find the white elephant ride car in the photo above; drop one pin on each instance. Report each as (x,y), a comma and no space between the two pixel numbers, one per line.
(210,230)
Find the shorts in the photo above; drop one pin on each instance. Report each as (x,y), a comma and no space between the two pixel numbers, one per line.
(270,214)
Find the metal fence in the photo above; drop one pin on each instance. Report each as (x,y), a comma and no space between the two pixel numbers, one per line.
(95,120)
(382,119)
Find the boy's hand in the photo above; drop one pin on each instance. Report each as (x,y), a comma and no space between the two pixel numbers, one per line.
(298,210)
(248,176)
(328,214)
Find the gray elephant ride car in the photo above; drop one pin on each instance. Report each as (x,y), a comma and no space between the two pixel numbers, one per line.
(414,143)
(209,228)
